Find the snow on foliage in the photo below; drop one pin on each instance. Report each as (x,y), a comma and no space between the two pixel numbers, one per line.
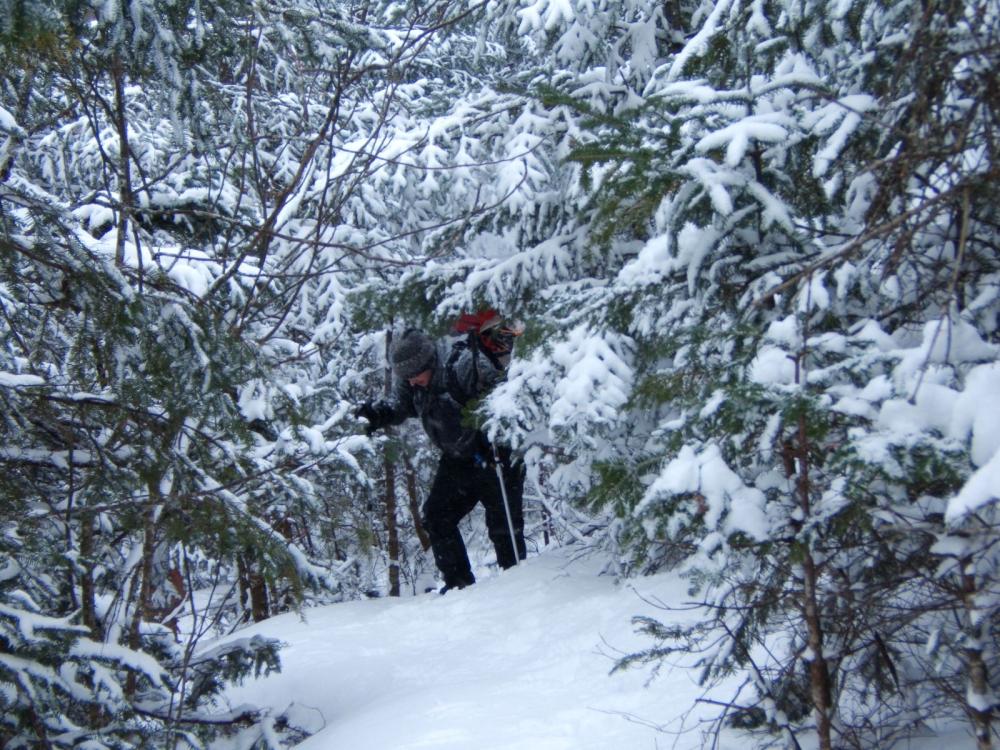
(595,383)
(729,506)
(751,244)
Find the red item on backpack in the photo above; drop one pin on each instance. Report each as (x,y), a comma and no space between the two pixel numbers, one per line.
(477,321)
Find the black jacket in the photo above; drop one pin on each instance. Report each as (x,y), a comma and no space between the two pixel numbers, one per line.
(460,375)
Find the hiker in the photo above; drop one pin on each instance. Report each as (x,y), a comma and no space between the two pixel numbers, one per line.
(434,381)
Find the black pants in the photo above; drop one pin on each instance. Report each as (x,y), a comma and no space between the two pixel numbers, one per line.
(458,485)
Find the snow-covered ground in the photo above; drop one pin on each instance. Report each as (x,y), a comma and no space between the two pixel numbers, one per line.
(519,661)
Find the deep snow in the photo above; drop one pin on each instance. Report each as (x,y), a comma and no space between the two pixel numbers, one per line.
(519,661)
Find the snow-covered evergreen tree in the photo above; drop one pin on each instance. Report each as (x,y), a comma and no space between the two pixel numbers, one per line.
(753,246)
(774,287)
(188,194)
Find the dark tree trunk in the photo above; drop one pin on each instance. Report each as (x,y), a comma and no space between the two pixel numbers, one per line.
(820,687)
(253,589)
(145,577)
(414,502)
(391,525)
(88,605)
(126,197)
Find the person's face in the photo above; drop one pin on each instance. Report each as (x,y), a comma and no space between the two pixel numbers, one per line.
(420,380)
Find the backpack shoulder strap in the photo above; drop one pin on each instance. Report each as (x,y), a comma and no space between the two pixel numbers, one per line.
(454,386)
(463,392)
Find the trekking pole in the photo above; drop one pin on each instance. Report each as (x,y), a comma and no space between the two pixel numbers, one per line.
(506,505)
(474,347)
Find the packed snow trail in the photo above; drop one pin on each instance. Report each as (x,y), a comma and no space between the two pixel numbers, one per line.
(519,661)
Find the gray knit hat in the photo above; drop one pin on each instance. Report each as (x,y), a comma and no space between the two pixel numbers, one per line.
(413,353)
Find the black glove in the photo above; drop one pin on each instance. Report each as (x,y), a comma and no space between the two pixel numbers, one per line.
(367,411)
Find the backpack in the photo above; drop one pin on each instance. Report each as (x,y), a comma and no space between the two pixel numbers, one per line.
(487,331)
(483,333)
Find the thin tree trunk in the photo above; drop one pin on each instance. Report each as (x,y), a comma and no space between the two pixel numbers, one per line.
(254,600)
(411,491)
(260,607)
(243,575)
(979,687)
(143,601)
(71,564)
(392,527)
(819,671)
(88,601)
(38,725)
(124,167)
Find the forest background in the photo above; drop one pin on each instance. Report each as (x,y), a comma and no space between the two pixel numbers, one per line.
(755,248)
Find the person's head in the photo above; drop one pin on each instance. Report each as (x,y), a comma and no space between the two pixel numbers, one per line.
(414,357)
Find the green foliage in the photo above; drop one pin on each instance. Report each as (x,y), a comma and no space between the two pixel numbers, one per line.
(775,219)
(727,234)
(163,341)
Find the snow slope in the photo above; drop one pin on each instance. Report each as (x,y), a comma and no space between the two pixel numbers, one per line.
(520,660)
